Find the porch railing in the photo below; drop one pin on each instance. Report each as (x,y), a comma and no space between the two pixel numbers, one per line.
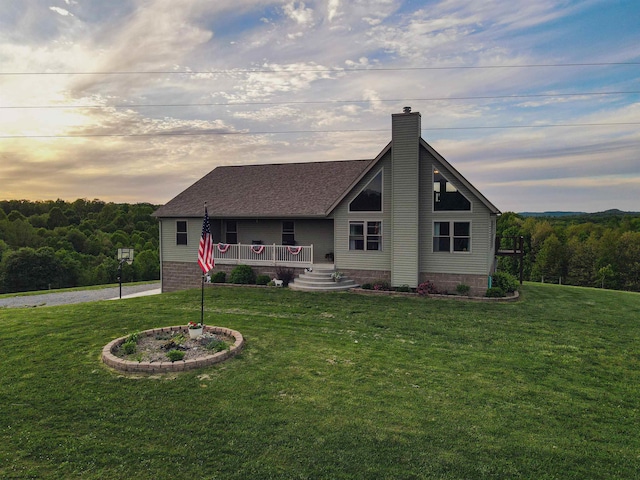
(277,255)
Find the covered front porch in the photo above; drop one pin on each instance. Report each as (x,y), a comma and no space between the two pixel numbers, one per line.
(300,256)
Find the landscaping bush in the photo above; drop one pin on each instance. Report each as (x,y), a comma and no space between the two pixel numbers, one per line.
(285,274)
(427,288)
(262,280)
(505,281)
(463,289)
(495,292)
(219,277)
(381,285)
(403,288)
(243,274)
(367,286)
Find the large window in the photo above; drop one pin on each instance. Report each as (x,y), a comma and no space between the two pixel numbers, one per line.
(365,235)
(181,232)
(288,233)
(370,198)
(232,231)
(446,196)
(451,237)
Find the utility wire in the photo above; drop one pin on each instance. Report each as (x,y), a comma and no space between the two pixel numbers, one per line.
(289,132)
(335,70)
(318,102)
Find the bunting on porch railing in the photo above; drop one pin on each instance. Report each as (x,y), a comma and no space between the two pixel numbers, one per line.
(223,247)
(257,249)
(294,250)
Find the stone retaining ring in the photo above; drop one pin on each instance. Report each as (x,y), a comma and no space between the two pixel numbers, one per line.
(178,366)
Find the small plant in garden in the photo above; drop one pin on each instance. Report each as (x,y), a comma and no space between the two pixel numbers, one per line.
(367,286)
(403,288)
(285,274)
(495,292)
(214,344)
(262,280)
(175,355)
(219,277)
(129,347)
(336,276)
(381,285)
(463,289)
(427,288)
(243,275)
(194,325)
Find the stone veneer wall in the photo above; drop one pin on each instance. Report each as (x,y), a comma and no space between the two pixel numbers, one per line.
(447,282)
(366,276)
(185,275)
(444,282)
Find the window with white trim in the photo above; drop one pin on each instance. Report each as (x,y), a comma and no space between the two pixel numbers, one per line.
(181,232)
(452,236)
(365,235)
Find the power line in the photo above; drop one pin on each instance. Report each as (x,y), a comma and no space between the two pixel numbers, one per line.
(290,132)
(333,69)
(318,102)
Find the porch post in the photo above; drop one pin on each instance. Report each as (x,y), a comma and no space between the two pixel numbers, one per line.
(274,255)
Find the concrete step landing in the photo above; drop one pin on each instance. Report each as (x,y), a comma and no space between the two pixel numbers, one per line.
(319,280)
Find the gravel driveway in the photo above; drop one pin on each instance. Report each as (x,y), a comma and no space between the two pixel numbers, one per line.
(79,296)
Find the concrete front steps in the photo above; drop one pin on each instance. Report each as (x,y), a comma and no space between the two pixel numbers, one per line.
(319,280)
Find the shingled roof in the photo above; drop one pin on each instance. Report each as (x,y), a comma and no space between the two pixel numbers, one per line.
(273,190)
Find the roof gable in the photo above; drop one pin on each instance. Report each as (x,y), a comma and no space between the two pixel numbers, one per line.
(458,176)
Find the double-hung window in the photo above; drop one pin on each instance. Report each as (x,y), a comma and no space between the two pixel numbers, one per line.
(365,235)
(232,232)
(452,236)
(181,232)
(288,233)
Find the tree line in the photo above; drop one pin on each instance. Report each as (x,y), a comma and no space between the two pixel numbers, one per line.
(590,250)
(57,244)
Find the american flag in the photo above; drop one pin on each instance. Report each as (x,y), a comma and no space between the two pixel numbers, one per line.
(205,250)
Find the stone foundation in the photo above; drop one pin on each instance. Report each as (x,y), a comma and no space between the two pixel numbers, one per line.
(186,275)
(447,282)
(444,282)
(366,276)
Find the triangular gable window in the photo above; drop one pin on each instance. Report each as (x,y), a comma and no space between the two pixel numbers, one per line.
(446,196)
(370,198)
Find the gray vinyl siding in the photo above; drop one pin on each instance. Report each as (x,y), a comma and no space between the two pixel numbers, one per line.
(364,260)
(480,258)
(405,218)
(180,253)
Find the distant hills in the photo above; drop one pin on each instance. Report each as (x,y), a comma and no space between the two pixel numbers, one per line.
(606,213)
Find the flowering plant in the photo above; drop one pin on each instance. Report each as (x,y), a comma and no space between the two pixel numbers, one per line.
(336,276)
(194,325)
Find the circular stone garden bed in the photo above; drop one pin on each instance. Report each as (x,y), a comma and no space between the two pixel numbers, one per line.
(152,347)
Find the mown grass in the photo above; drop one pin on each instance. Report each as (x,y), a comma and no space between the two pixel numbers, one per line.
(331,386)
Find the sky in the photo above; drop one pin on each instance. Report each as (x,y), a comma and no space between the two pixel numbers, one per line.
(537,104)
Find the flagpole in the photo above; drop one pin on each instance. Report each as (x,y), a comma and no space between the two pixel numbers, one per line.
(205,256)
(202,302)
(202,285)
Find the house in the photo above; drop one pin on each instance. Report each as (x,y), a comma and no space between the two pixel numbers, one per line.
(406,216)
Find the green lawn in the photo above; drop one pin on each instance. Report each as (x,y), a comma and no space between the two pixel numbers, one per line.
(331,386)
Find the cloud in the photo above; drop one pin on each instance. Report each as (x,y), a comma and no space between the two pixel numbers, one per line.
(61,11)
